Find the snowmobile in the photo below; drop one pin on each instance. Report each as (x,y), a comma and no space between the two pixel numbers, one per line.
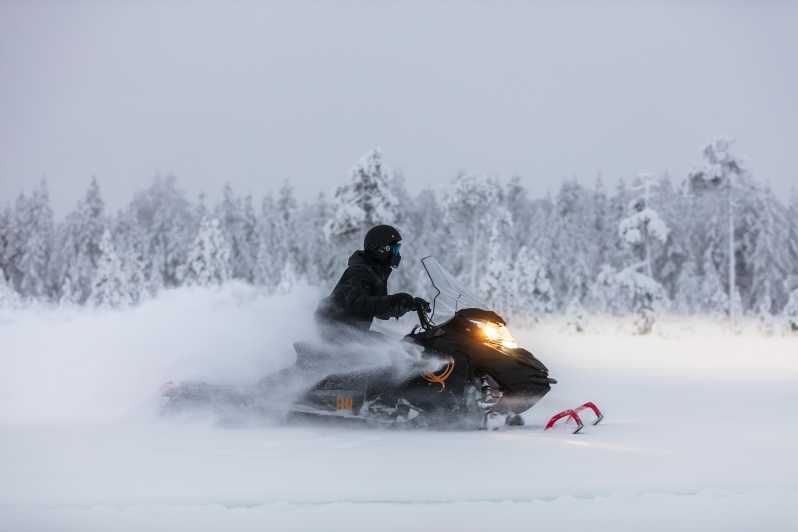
(471,373)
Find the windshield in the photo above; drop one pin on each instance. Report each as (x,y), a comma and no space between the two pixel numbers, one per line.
(450,295)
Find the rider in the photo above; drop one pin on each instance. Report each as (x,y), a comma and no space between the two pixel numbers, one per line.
(362,292)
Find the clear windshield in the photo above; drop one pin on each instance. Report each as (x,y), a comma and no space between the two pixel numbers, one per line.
(450,294)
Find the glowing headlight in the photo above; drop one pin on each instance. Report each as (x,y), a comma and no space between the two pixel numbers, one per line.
(496,334)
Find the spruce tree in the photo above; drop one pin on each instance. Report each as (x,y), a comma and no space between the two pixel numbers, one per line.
(109,288)
(367,200)
(78,248)
(209,258)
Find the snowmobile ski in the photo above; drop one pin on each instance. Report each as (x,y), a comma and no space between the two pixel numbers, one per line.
(573,414)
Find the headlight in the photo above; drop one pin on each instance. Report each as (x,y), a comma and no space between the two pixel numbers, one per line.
(495,334)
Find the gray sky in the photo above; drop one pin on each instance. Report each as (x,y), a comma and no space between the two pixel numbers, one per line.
(254,93)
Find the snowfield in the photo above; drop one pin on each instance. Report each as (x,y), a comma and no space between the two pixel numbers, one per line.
(699,434)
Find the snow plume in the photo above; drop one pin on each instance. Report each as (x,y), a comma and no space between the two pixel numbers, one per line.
(104,365)
(71,363)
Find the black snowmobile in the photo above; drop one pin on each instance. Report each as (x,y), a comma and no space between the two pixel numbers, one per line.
(470,373)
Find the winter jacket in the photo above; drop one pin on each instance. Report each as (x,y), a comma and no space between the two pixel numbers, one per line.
(360,296)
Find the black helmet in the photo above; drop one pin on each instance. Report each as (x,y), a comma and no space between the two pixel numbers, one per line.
(383,242)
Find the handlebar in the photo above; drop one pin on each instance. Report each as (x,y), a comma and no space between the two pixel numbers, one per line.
(423,319)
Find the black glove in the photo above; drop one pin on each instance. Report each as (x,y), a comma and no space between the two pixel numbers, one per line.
(401,304)
(422,304)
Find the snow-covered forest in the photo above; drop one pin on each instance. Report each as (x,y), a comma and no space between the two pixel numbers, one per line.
(718,241)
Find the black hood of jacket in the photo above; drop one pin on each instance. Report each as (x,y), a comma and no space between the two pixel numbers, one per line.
(364,258)
(360,295)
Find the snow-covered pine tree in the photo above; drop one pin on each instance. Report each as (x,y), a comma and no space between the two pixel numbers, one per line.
(168,224)
(78,250)
(321,267)
(288,278)
(723,170)
(669,258)
(644,226)
(130,244)
(638,231)
(687,299)
(6,230)
(790,312)
(572,252)
(495,283)
(239,225)
(9,298)
(209,258)
(367,200)
(290,253)
(34,219)
(791,247)
(712,297)
(530,289)
(763,255)
(109,288)
(471,207)
(645,295)
(268,267)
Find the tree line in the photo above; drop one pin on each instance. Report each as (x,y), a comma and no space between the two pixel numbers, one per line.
(718,241)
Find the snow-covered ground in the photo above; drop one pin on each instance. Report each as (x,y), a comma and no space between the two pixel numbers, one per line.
(700,433)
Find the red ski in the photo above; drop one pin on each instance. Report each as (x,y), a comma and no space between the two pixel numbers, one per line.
(573,413)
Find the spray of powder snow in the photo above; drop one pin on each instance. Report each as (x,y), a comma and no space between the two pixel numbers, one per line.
(81,364)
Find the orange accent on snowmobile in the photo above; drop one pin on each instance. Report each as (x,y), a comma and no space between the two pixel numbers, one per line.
(443,376)
(343,402)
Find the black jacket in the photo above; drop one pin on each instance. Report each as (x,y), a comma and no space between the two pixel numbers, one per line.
(360,295)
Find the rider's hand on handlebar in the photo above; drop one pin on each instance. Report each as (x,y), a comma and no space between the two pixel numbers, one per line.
(402,304)
(422,304)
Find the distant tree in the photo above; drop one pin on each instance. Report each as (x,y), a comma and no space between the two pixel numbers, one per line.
(9,298)
(34,223)
(530,289)
(473,207)
(723,170)
(209,258)
(712,297)
(790,312)
(686,298)
(791,247)
(131,246)
(572,250)
(281,259)
(239,225)
(267,263)
(78,251)
(765,253)
(110,288)
(643,226)
(639,230)
(631,290)
(290,252)
(168,225)
(368,199)
(6,231)
(495,283)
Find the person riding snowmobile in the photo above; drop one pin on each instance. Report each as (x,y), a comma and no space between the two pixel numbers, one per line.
(362,292)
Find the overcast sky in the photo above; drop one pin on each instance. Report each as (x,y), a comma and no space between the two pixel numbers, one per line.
(255,93)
